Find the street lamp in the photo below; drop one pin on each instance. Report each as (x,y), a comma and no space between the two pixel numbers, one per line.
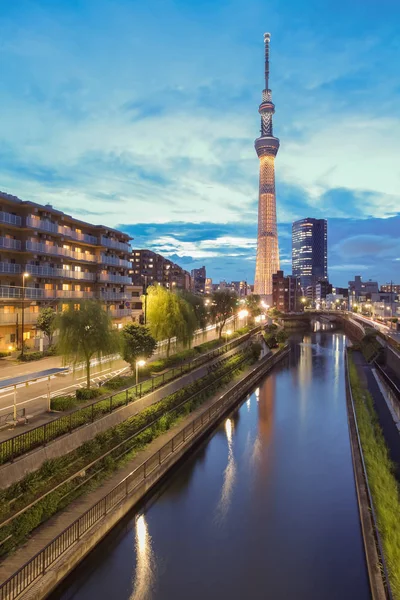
(243,314)
(24,276)
(227,333)
(139,363)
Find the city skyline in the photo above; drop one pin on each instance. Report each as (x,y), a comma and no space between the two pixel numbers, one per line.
(81,118)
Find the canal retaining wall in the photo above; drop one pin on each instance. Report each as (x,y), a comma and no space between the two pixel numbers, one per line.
(37,578)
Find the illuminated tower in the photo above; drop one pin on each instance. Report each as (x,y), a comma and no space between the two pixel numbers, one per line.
(267,146)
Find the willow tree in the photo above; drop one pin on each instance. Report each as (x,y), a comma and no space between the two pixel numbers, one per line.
(85,332)
(169,316)
(223,303)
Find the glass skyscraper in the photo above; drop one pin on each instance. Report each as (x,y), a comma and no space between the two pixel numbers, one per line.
(309,250)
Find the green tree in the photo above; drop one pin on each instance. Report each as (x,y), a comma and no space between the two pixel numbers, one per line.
(85,332)
(223,303)
(46,322)
(137,342)
(253,305)
(168,316)
(199,309)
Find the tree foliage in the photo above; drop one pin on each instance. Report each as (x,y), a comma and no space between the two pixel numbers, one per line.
(253,305)
(169,316)
(223,303)
(46,322)
(198,306)
(85,333)
(137,342)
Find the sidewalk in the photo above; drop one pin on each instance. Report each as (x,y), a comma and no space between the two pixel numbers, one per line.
(54,526)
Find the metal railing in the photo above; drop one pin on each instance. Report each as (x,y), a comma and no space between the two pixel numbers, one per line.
(45,271)
(37,566)
(10,243)
(110,243)
(43,434)
(115,261)
(59,251)
(115,278)
(11,268)
(374,521)
(10,219)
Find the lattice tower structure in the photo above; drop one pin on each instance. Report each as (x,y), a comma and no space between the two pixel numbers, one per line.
(267,146)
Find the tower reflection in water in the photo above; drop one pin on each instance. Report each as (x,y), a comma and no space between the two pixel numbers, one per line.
(260,456)
(145,563)
(229,476)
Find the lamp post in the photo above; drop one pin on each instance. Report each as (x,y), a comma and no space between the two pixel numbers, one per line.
(24,275)
(243,314)
(227,334)
(139,363)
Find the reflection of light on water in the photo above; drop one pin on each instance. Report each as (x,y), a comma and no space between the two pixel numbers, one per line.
(337,351)
(144,561)
(257,393)
(229,476)
(248,403)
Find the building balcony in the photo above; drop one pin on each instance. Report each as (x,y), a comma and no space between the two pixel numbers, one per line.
(11,317)
(78,235)
(10,219)
(115,296)
(113,260)
(109,277)
(109,243)
(42,224)
(42,294)
(120,313)
(64,230)
(64,273)
(54,250)
(10,243)
(10,268)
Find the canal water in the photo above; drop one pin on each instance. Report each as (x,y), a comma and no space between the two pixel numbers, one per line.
(264,509)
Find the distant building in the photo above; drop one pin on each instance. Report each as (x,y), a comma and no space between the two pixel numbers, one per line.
(391,287)
(286,292)
(199,280)
(342,291)
(322,289)
(208,286)
(309,251)
(360,291)
(240,288)
(149,268)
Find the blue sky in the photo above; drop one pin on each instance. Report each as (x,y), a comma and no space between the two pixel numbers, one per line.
(143,115)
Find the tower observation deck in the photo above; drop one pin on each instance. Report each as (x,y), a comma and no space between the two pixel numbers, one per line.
(267,146)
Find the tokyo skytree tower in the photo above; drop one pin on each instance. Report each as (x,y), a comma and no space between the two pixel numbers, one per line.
(267,146)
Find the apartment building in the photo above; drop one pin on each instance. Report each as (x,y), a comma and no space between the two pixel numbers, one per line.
(286,292)
(48,258)
(149,268)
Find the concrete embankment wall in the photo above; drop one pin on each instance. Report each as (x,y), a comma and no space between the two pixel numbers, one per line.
(392,359)
(70,559)
(27,463)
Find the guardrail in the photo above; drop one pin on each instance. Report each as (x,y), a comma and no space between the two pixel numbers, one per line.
(377,538)
(37,566)
(43,434)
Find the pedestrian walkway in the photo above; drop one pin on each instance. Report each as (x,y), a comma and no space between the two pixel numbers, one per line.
(44,534)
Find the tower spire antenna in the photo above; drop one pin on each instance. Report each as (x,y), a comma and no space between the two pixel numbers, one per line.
(267,38)
(267,146)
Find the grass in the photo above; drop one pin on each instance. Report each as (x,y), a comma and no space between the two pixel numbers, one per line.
(383,484)
(134,435)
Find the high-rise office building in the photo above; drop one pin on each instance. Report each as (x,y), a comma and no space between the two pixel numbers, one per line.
(199,280)
(286,292)
(309,251)
(267,146)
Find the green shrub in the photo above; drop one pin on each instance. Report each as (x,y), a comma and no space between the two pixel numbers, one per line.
(62,403)
(381,477)
(29,356)
(87,393)
(4,354)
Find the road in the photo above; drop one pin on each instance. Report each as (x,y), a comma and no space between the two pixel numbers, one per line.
(378,325)
(33,397)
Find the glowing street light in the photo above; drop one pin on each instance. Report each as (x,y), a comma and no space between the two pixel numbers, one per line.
(139,363)
(227,334)
(24,276)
